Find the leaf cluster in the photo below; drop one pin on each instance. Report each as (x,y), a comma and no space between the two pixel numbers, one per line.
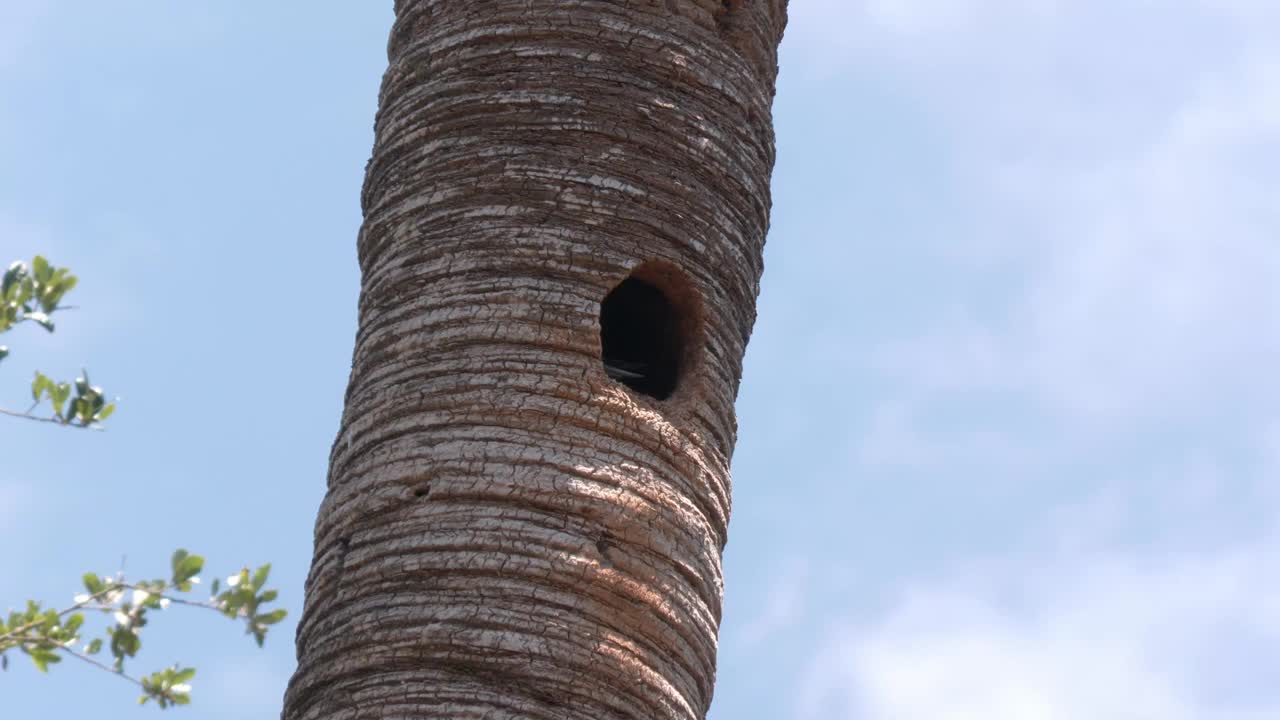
(87,407)
(245,598)
(46,635)
(32,294)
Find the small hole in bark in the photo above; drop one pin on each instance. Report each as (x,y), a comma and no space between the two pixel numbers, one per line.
(422,491)
(645,329)
(603,546)
(723,15)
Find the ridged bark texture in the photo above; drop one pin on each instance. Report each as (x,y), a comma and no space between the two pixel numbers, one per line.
(508,532)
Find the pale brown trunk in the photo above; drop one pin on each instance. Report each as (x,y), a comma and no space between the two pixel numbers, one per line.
(509,532)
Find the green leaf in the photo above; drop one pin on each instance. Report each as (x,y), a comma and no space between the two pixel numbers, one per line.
(12,277)
(124,643)
(185,569)
(79,410)
(167,687)
(272,617)
(260,576)
(105,412)
(94,647)
(58,285)
(41,268)
(39,386)
(60,393)
(93,583)
(43,658)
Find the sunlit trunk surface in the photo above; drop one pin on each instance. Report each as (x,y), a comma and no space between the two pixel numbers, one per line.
(528,497)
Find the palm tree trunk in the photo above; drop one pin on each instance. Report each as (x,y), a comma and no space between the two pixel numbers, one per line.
(511,529)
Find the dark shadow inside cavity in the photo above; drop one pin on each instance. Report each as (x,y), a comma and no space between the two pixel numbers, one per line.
(640,339)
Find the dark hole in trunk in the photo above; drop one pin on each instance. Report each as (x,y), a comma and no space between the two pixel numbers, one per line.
(640,339)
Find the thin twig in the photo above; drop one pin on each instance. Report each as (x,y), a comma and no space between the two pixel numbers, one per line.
(43,643)
(101,665)
(54,420)
(192,603)
(29,416)
(89,604)
(7,637)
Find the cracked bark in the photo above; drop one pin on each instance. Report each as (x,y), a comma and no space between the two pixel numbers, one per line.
(508,532)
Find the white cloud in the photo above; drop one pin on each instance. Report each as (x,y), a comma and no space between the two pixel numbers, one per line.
(1120,161)
(1159,289)
(1121,157)
(1102,636)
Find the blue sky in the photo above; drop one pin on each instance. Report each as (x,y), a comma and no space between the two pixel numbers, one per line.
(1008,429)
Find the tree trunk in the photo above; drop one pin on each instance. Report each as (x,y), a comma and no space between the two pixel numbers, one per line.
(513,529)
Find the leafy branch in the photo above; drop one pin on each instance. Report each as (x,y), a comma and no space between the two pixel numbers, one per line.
(33,294)
(86,409)
(47,634)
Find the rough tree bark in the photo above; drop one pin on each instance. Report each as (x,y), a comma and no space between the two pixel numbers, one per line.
(510,532)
